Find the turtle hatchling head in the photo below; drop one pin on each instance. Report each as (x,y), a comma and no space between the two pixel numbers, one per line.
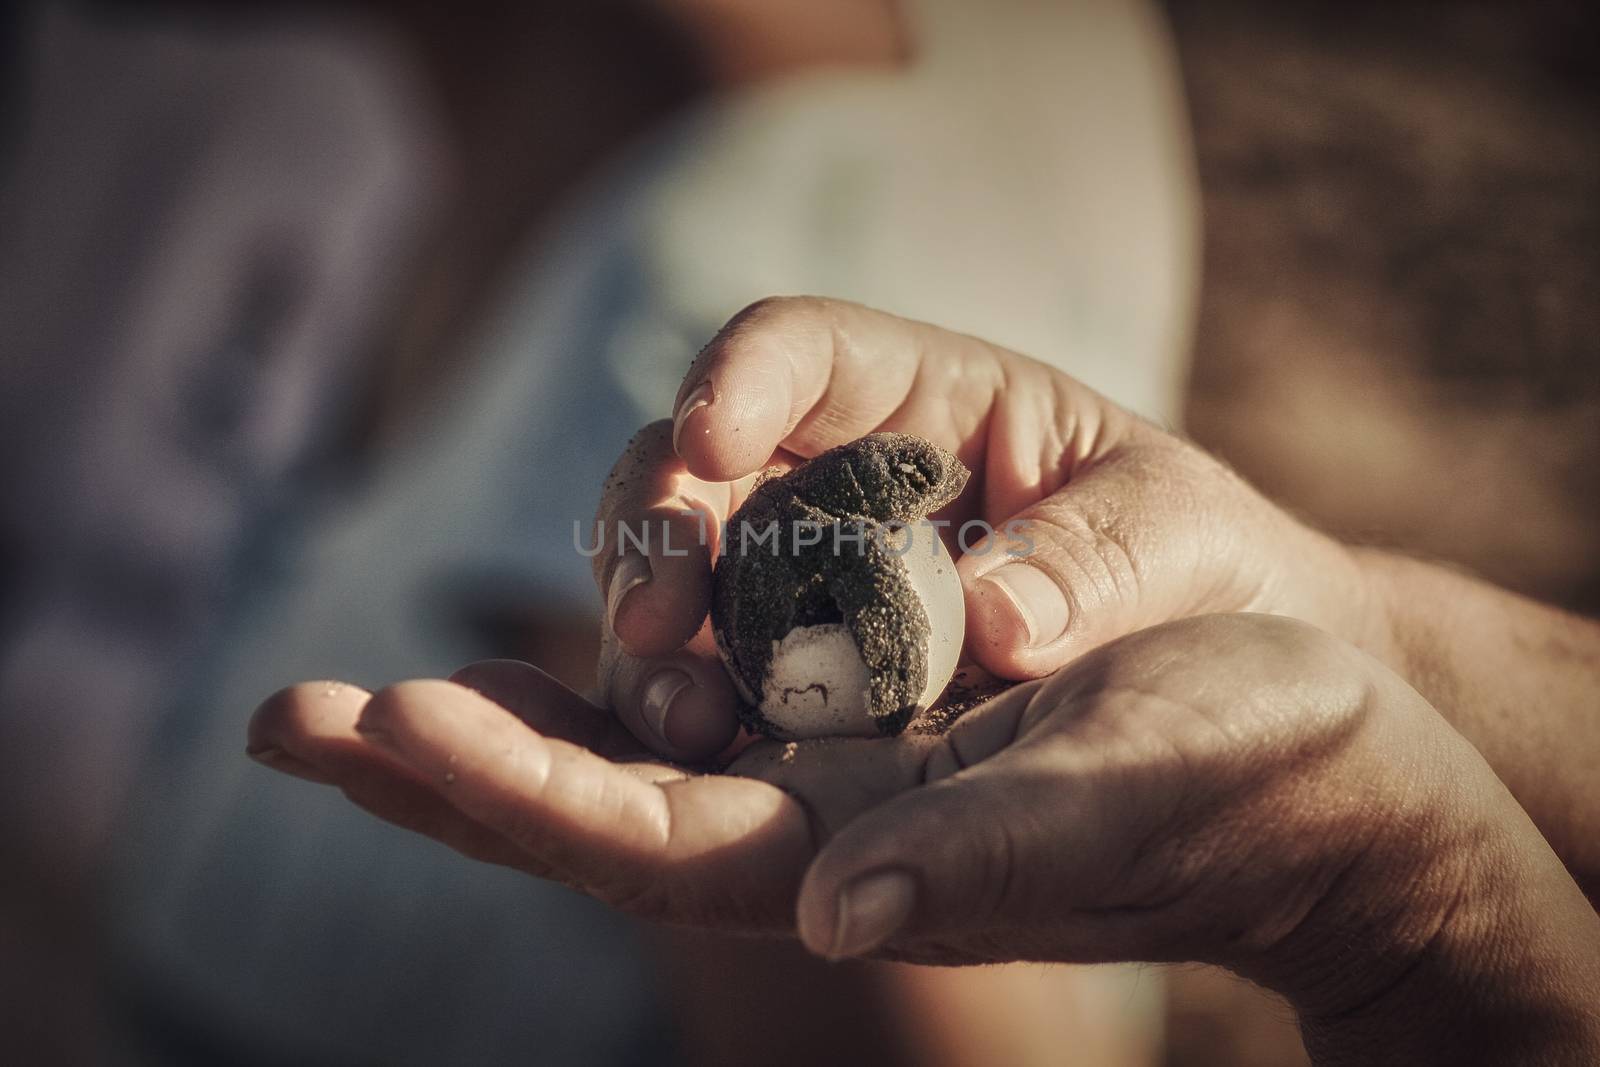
(886,477)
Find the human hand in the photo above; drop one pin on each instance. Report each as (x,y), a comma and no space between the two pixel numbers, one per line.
(1234,789)
(1130,526)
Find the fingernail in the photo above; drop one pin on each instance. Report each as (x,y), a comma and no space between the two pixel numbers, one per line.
(279,760)
(656,705)
(633,569)
(872,909)
(700,397)
(374,733)
(1036,599)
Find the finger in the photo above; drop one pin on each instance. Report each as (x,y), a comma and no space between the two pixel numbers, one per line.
(985,731)
(1021,843)
(685,849)
(654,541)
(309,730)
(942,859)
(807,374)
(682,705)
(548,706)
(997,810)
(836,779)
(1135,538)
(413,806)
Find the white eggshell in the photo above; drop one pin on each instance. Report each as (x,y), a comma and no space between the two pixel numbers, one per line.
(817,683)
(933,575)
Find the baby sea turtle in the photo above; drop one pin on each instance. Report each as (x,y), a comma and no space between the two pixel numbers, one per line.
(836,609)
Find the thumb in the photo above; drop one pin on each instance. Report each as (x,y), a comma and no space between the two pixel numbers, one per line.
(923,861)
(1018,847)
(944,857)
(1149,534)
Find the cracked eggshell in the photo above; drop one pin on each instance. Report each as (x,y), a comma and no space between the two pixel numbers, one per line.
(827,640)
(816,684)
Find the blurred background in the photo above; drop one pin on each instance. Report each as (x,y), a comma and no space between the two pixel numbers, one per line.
(321,323)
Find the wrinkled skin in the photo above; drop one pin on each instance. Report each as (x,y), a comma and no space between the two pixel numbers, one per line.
(1205,790)
(1167,782)
(1142,758)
